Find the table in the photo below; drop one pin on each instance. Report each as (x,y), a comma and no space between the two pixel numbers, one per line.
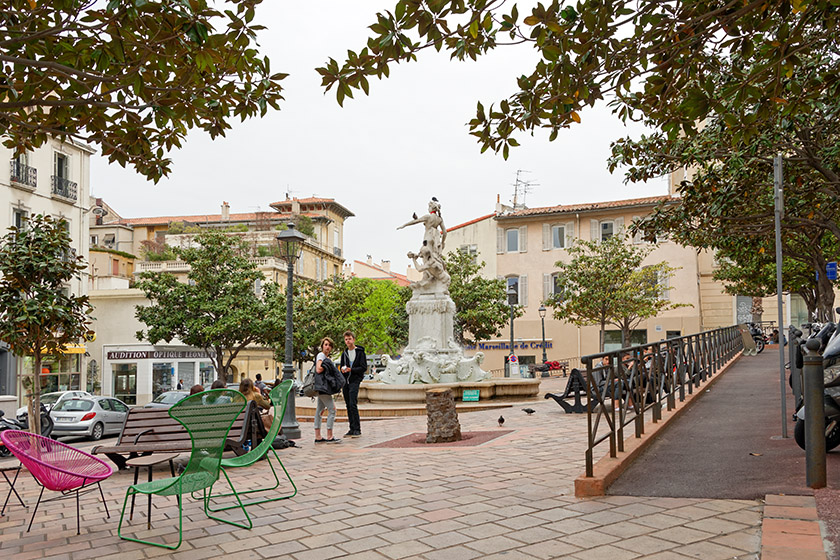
(3,470)
(149,461)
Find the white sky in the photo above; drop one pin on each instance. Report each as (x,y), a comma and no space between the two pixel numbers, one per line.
(383,156)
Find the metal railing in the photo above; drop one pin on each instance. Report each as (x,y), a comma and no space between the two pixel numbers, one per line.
(64,188)
(637,380)
(23,174)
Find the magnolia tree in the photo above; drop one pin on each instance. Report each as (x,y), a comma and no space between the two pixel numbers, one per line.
(222,308)
(606,284)
(38,316)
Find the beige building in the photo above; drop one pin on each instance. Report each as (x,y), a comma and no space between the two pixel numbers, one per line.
(137,371)
(381,271)
(526,243)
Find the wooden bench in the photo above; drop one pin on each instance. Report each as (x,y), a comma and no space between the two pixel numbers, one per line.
(152,430)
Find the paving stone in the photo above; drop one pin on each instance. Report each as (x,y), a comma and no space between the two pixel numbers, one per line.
(707,550)
(747,540)
(606,552)
(645,545)
(403,549)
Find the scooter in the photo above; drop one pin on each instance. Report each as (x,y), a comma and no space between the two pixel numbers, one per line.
(7,424)
(47,423)
(758,336)
(829,336)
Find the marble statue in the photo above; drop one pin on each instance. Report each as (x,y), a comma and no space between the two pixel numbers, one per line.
(432,356)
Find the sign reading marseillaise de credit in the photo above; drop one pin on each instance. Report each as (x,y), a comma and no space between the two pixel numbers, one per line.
(156,354)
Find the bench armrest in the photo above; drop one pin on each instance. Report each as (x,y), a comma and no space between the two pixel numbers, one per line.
(137,437)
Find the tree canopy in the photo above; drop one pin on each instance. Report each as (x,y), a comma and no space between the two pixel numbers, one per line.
(639,55)
(37,314)
(131,76)
(605,283)
(222,308)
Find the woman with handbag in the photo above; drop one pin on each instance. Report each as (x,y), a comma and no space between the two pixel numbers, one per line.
(326,376)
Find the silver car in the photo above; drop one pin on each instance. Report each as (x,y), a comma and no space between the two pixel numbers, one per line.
(51,399)
(92,416)
(167,399)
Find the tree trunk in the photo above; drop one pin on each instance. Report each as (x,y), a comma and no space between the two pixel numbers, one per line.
(35,396)
(602,336)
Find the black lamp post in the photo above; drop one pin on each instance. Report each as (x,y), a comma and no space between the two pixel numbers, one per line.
(291,245)
(513,297)
(542,311)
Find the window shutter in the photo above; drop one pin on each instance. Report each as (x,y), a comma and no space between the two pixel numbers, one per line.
(523,239)
(546,286)
(546,237)
(570,234)
(619,227)
(500,240)
(523,290)
(55,164)
(637,237)
(666,284)
(595,231)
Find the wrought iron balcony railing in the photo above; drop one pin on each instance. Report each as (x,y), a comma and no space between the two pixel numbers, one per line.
(64,187)
(23,174)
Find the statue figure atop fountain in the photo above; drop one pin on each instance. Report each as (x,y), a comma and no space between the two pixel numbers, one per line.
(432,356)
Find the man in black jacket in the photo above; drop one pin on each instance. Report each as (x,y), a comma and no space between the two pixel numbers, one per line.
(353,366)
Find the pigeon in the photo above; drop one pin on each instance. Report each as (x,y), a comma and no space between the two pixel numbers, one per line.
(501,421)
(414,216)
(528,411)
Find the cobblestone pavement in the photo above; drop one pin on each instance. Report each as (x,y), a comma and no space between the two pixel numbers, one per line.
(511,498)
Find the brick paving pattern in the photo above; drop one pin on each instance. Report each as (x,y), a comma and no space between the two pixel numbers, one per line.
(511,498)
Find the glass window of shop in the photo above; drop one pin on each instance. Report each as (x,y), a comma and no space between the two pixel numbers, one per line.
(161,378)
(58,373)
(125,382)
(206,374)
(186,372)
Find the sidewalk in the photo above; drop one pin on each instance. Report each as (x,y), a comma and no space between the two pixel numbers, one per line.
(511,497)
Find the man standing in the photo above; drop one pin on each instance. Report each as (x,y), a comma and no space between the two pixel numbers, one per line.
(180,384)
(353,365)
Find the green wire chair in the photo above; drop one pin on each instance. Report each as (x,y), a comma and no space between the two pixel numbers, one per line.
(208,417)
(279,397)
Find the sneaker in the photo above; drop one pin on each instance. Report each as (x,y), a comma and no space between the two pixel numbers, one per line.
(349,434)
(354,434)
(322,440)
(332,440)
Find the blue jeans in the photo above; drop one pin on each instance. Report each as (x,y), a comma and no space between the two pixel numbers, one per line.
(351,400)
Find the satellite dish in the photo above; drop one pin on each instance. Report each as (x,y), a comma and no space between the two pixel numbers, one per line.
(99,211)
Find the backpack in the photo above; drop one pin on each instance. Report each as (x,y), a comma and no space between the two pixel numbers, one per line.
(309,383)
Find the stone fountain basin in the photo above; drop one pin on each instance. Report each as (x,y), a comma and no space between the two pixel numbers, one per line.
(512,388)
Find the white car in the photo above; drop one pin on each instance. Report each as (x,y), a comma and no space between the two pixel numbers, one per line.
(51,399)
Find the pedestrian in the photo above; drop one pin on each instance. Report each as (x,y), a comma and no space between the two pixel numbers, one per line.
(259,384)
(247,388)
(324,371)
(196,389)
(180,384)
(353,366)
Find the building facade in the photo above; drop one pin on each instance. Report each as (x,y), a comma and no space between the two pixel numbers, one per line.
(52,180)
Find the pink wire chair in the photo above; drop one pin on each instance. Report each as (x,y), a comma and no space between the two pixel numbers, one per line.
(57,466)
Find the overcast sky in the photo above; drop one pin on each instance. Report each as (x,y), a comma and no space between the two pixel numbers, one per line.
(383,156)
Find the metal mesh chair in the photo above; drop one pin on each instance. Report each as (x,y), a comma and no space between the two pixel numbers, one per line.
(208,417)
(279,397)
(57,466)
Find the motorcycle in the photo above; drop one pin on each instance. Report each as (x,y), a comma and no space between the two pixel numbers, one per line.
(758,336)
(7,424)
(47,423)
(829,336)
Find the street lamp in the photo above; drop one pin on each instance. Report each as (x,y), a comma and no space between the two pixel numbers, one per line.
(291,245)
(513,297)
(542,311)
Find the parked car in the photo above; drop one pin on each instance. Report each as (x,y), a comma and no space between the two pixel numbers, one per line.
(49,400)
(90,416)
(167,399)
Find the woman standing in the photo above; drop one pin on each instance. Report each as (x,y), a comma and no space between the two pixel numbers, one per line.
(325,374)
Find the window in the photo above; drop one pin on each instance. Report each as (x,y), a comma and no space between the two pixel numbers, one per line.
(558,237)
(469,250)
(317,268)
(324,269)
(110,240)
(512,240)
(115,267)
(125,382)
(601,230)
(612,339)
(94,240)
(552,285)
(19,218)
(161,378)
(520,286)
(62,166)
(335,270)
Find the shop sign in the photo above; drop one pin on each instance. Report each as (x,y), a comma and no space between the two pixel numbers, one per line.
(470,395)
(506,346)
(155,354)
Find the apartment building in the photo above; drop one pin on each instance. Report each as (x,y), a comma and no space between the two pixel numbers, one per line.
(137,371)
(526,243)
(52,180)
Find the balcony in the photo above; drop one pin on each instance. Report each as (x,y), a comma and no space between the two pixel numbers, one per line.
(23,176)
(64,188)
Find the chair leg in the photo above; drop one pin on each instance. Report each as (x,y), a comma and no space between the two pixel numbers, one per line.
(36,509)
(264,500)
(11,489)
(240,505)
(161,545)
(104,503)
(78,531)
(131,515)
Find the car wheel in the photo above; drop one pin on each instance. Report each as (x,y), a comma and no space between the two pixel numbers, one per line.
(97,432)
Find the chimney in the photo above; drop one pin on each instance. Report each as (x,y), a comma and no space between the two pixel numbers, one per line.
(295,206)
(385,265)
(225,211)
(370,260)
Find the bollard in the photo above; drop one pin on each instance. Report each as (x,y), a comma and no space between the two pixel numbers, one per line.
(814,415)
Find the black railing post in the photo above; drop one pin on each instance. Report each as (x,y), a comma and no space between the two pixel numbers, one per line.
(814,416)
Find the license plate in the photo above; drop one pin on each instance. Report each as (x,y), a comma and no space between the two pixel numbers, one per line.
(65,419)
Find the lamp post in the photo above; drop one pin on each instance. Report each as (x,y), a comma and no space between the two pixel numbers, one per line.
(291,245)
(513,296)
(542,311)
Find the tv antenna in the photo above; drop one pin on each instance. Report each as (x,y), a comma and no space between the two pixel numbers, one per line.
(521,188)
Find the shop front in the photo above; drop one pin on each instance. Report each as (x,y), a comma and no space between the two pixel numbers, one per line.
(59,372)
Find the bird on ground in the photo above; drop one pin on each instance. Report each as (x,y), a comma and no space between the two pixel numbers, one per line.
(528,411)
(501,421)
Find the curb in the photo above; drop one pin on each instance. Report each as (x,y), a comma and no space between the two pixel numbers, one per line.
(608,469)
